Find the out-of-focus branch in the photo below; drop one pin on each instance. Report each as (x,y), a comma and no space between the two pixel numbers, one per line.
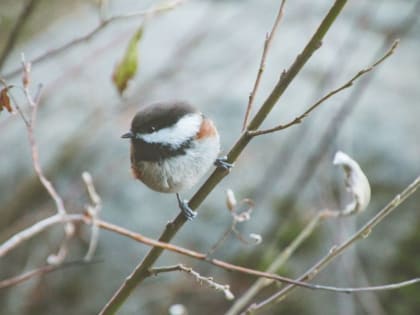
(40,226)
(56,219)
(267,43)
(14,34)
(160,8)
(357,183)
(36,272)
(346,85)
(30,126)
(335,251)
(237,217)
(37,228)
(93,210)
(259,284)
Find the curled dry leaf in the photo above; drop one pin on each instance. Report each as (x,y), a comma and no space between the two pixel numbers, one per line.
(356,183)
(5,100)
(231,202)
(127,67)
(257,238)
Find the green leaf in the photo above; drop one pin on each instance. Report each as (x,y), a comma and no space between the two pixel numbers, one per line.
(127,67)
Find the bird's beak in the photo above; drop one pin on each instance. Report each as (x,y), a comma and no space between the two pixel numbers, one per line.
(128,135)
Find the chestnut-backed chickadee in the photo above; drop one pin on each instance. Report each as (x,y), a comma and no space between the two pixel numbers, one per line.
(172,147)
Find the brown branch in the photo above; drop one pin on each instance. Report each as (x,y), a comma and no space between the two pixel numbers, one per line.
(267,43)
(335,251)
(93,211)
(27,275)
(285,254)
(140,271)
(237,217)
(56,219)
(33,102)
(143,13)
(40,226)
(37,228)
(36,272)
(346,85)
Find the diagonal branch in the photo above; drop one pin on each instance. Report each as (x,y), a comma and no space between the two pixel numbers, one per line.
(346,85)
(38,272)
(261,283)
(17,28)
(56,219)
(335,251)
(169,5)
(141,271)
(267,43)
(225,288)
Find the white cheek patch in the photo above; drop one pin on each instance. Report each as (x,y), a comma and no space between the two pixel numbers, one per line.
(186,128)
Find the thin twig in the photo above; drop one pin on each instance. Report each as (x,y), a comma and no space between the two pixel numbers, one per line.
(56,219)
(225,288)
(40,226)
(37,272)
(30,126)
(93,210)
(35,229)
(346,85)
(166,6)
(335,251)
(267,43)
(259,284)
(141,271)
(236,218)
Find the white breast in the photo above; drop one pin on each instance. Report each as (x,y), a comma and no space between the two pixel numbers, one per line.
(183,171)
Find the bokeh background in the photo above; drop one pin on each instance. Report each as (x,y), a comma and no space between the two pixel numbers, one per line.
(207,52)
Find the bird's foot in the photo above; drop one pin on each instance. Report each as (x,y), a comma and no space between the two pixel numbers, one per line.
(223,163)
(185,209)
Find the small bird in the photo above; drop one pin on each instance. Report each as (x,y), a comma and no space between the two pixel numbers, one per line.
(172,146)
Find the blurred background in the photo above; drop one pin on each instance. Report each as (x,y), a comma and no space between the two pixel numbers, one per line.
(208,52)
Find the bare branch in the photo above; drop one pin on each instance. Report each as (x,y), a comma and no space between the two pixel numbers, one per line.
(93,210)
(30,126)
(26,276)
(346,85)
(335,251)
(42,225)
(225,288)
(35,229)
(141,270)
(165,6)
(267,43)
(237,217)
(36,272)
(279,261)
(14,34)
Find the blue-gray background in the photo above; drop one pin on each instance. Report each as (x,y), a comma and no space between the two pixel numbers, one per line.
(207,52)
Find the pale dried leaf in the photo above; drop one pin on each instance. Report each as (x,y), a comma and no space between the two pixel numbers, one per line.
(257,238)
(356,183)
(231,202)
